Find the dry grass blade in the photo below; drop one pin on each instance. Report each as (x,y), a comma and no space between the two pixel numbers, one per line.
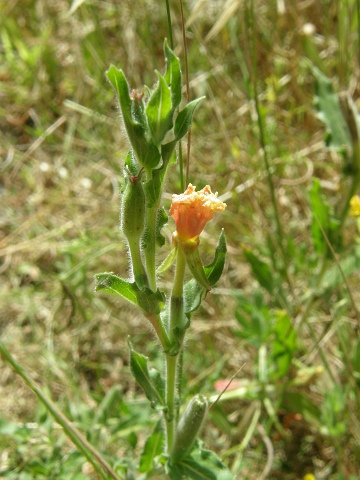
(230,8)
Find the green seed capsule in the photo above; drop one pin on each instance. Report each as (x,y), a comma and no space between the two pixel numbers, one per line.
(133,209)
(188,427)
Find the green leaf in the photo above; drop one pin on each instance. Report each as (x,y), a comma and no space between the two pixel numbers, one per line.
(201,465)
(216,267)
(184,119)
(152,449)
(320,214)
(159,111)
(261,270)
(327,103)
(193,292)
(173,75)
(254,318)
(139,369)
(147,300)
(283,346)
(146,151)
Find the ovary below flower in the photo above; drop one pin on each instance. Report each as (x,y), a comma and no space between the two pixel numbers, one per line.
(192,210)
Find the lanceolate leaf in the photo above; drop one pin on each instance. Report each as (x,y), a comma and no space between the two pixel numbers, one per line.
(146,152)
(139,369)
(147,300)
(194,292)
(184,119)
(173,75)
(215,269)
(261,270)
(159,111)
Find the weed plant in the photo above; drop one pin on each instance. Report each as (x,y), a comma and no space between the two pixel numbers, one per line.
(278,137)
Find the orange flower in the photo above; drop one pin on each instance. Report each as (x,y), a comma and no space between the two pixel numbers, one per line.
(192,210)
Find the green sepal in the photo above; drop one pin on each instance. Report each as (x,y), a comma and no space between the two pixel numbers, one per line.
(195,265)
(193,292)
(148,301)
(215,268)
(173,75)
(153,448)
(200,465)
(146,151)
(159,111)
(169,260)
(140,371)
(184,119)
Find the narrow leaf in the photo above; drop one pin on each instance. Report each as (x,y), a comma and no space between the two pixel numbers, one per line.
(184,119)
(146,152)
(215,269)
(139,369)
(159,111)
(193,292)
(147,300)
(173,75)
(260,269)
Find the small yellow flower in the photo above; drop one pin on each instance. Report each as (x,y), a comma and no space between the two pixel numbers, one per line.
(309,476)
(192,210)
(355,206)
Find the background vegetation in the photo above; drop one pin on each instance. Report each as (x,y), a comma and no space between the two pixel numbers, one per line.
(282,310)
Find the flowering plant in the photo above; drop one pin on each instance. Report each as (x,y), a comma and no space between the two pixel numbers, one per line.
(155,124)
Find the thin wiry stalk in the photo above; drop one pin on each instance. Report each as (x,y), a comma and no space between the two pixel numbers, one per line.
(187,83)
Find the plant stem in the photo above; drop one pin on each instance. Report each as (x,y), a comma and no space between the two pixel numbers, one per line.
(171,362)
(168,14)
(262,128)
(176,327)
(161,332)
(137,264)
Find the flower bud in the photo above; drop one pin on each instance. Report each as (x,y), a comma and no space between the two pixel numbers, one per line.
(188,427)
(133,209)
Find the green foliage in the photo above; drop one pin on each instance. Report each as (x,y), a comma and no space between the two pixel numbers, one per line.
(327,103)
(150,382)
(193,290)
(62,156)
(148,301)
(153,449)
(200,465)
